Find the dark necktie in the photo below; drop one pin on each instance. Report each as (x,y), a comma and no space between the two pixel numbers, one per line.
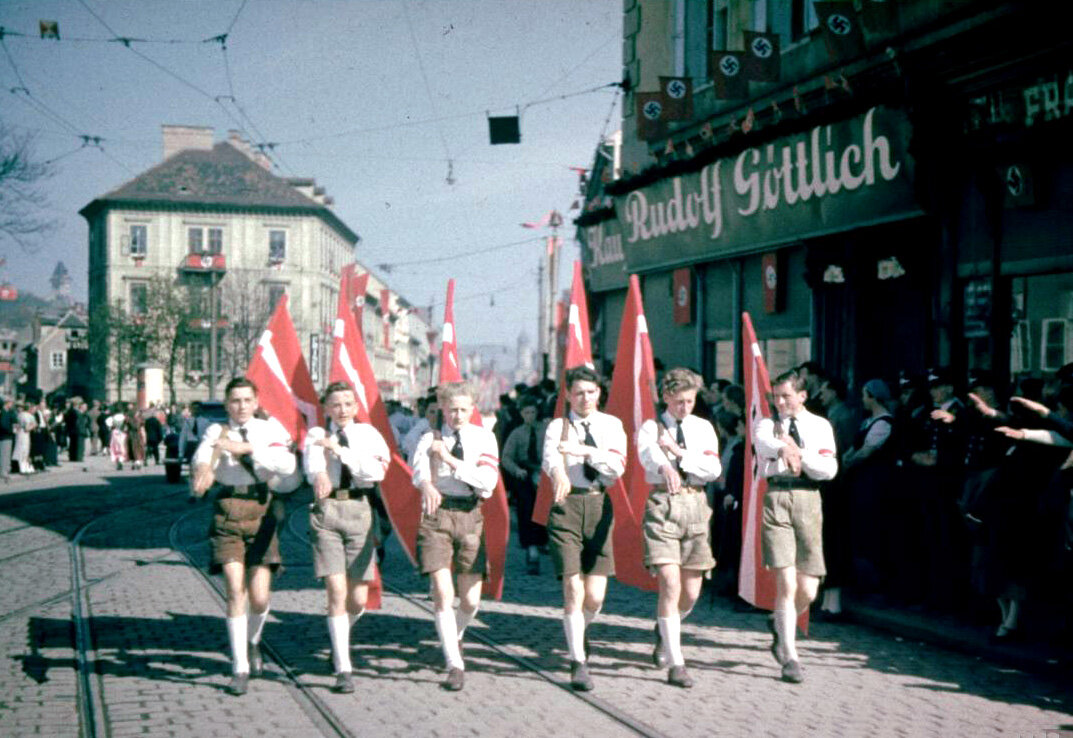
(456,450)
(794,434)
(588,469)
(680,439)
(246,460)
(345,478)
(531,453)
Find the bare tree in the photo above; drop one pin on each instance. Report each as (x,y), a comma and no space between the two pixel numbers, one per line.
(167,325)
(20,199)
(115,339)
(244,301)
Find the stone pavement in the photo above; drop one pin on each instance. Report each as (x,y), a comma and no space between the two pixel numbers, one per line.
(159,656)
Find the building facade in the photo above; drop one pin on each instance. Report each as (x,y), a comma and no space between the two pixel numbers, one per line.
(212,226)
(896,197)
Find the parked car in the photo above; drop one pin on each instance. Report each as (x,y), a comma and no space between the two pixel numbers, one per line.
(179,447)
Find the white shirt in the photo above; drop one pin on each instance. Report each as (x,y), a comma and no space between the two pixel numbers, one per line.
(477,474)
(609,460)
(699,465)
(818,460)
(366,455)
(271,455)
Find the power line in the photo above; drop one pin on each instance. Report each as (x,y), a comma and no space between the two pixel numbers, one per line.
(428,90)
(579,65)
(439,259)
(235,19)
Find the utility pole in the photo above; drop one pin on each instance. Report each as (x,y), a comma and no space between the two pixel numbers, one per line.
(552,363)
(542,317)
(214,310)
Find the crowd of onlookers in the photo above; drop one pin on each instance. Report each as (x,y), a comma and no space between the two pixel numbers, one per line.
(35,435)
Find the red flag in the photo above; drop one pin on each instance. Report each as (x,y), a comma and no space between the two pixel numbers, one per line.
(279,370)
(578,353)
(651,116)
(551,218)
(756,585)
(762,57)
(841,29)
(355,286)
(677,97)
(631,401)
(495,509)
(728,77)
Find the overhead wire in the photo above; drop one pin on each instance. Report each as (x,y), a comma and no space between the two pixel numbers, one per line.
(387,267)
(428,90)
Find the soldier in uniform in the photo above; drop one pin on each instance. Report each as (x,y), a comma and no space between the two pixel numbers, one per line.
(795,452)
(456,466)
(241,458)
(582,462)
(343,463)
(678,464)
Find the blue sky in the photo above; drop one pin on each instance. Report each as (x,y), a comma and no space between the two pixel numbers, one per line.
(339,87)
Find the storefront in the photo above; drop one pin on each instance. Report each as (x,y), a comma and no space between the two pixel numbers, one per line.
(818,235)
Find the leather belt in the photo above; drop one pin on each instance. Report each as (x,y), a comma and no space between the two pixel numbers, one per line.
(464,504)
(684,489)
(791,484)
(353,493)
(257,492)
(593,490)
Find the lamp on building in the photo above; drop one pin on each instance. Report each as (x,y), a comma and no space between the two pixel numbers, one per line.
(889,268)
(834,275)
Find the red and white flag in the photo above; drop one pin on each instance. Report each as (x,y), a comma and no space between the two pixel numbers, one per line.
(578,353)
(756,585)
(631,401)
(385,315)
(355,286)
(551,218)
(495,509)
(279,370)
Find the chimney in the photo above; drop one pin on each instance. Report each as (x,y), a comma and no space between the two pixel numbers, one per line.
(186,138)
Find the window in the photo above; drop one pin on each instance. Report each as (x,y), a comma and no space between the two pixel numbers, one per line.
(275,292)
(1054,344)
(139,241)
(803,19)
(197,356)
(139,298)
(195,238)
(57,360)
(216,240)
(277,246)
(1020,348)
(139,352)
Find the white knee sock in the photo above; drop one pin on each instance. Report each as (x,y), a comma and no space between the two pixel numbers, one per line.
(445,626)
(574,625)
(236,636)
(352,618)
(590,615)
(832,600)
(339,632)
(671,630)
(463,619)
(786,626)
(257,624)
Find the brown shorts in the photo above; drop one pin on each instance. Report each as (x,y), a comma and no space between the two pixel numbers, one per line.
(792,531)
(579,531)
(245,530)
(452,539)
(677,530)
(344,537)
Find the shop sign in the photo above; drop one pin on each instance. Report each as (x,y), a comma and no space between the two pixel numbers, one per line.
(602,255)
(832,178)
(1043,100)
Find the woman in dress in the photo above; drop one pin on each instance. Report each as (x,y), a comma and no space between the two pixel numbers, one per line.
(135,428)
(21,452)
(117,444)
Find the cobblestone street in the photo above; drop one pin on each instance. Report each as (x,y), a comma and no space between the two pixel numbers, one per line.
(156,649)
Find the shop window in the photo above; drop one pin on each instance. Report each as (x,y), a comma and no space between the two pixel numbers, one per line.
(1054,344)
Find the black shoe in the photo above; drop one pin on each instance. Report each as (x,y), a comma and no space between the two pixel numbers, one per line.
(344,683)
(239,685)
(580,680)
(659,659)
(677,676)
(455,680)
(776,644)
(791,672)
(257,662)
